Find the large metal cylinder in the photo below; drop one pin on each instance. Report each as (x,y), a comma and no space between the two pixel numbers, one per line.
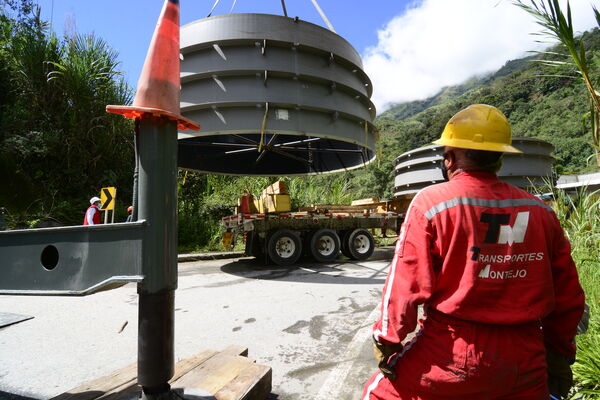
(419,168)
(274,96)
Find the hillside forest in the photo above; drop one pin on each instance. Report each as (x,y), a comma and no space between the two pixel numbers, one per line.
(58,146)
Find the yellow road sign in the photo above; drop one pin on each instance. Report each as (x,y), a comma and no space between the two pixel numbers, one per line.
(108,196)
(228,240)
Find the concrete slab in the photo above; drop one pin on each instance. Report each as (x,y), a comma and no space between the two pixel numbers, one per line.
(300,321)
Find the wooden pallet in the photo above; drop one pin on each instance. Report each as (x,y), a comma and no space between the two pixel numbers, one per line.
(227,375)
(358,206)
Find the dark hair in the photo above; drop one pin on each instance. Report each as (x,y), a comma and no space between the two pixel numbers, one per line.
(486,161)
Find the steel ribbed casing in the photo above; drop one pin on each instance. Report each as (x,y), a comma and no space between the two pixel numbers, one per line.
(419,168)
(319,115)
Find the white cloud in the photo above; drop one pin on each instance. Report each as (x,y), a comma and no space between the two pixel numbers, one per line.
(436,43)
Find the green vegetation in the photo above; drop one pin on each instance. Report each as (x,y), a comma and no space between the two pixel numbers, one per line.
(544,101)
(58,146)
(580,216)
(557,25)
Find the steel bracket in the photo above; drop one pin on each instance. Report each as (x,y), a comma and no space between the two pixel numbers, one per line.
(70,261)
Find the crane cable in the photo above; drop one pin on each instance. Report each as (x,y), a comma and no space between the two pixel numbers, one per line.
(235,1)
(213,8)
(323,16)
(319,10)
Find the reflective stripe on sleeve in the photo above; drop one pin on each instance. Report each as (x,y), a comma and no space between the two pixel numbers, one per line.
(392,274)
(372,386)
(492,203)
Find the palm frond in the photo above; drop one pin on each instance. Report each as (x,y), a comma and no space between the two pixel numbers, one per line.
(556,24)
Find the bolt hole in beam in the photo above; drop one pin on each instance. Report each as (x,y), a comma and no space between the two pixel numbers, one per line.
(70,260)
(49,257)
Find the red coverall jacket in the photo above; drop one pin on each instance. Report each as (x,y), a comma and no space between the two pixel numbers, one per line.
(92,215)
(482,250)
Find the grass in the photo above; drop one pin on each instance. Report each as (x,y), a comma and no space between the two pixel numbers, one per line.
(580,217)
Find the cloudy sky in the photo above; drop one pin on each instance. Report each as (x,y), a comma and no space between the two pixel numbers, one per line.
(410,48)
(436,43)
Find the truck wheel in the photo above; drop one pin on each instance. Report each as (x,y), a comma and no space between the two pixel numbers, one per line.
(284,247)
(361,244)
(325,245)
(344,236)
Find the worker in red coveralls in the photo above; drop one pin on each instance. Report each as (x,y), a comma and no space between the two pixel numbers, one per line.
(493,269)
(92,215)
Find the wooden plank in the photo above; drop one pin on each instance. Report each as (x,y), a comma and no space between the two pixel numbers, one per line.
(336,208)
(253,383)
(186,365)
(215,373)
(122,392)
(360,202)
(181,368)
(209,370)
(234,350)
(94,389)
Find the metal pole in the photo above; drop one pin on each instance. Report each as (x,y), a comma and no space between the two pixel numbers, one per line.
(158,206)
(112,216)
(134,202)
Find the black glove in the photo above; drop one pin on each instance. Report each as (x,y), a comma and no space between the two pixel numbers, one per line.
(560,376)
(382,353)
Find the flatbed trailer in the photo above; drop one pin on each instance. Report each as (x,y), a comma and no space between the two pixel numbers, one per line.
(284,237)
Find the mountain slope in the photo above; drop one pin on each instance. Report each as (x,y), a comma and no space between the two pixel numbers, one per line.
(540,101)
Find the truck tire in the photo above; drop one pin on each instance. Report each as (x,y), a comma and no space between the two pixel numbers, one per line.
(361,244)
(344,236)
(325,245)
(284,247)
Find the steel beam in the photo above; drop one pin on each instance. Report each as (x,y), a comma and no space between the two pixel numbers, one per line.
(76,260)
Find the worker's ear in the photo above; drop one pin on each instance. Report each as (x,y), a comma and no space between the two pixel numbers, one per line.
(450,160)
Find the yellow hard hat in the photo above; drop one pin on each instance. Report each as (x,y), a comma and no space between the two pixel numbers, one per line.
(478,127)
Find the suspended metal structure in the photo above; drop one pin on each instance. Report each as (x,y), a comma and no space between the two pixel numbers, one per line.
(275,96)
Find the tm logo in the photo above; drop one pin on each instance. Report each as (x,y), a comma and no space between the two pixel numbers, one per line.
(499,230)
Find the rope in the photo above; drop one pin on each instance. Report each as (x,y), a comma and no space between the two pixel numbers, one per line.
(262,129)
(233,5)
(283,6)
(323,16)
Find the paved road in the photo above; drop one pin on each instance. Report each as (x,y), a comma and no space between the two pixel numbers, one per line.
(310,323)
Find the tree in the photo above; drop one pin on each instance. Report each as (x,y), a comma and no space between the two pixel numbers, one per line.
(560,27)
(58,146)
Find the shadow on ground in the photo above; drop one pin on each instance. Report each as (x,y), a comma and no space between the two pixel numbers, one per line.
(11,396)
(307,270)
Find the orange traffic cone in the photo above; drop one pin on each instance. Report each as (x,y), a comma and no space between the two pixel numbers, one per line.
(158,90)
